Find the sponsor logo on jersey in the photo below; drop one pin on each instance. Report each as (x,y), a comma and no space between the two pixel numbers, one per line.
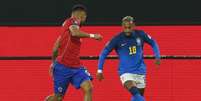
(123,44)
(60,89)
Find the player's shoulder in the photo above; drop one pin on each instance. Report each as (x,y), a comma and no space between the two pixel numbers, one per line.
(143,34)
(71,21)
(138,31)
(74,20)
(117,36)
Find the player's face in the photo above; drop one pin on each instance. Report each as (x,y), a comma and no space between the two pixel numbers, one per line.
(127,27)
(82,16)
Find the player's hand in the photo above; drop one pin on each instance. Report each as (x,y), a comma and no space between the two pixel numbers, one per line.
(100,76)
(98,37)
(51,70)
(158,62)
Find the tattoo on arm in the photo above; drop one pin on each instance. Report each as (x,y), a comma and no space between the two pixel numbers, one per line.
(75,31)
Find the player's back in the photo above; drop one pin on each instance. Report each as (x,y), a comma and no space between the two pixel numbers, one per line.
(69,46)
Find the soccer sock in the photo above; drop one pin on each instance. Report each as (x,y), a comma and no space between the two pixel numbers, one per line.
(134,98)
(136,94)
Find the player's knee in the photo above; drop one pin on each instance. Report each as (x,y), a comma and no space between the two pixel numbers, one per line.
(129,84)
(59,98)
(87,88)
(54,98)
(49,98)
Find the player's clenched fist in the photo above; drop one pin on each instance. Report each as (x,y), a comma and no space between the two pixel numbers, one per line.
(100,76)
(98,37)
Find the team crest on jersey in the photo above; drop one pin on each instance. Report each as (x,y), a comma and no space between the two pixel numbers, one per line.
(138,40)
(60,89)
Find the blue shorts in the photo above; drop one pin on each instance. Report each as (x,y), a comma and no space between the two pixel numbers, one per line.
(64,75)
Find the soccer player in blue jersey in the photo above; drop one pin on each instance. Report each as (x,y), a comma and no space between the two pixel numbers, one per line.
(128,45)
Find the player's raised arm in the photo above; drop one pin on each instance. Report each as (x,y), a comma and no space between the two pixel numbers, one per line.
(79,16)
(76,32)
(105,52)
(148,39)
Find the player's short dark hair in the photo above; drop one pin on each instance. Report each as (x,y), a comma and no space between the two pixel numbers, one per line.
(79,7)
(128,18)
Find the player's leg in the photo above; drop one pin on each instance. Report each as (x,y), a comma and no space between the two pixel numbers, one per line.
(141,83)
(62,77)
(87,89)
(82,80)
(130,84)
(54,98)
(142,91)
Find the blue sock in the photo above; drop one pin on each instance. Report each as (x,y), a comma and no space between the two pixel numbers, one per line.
(134,98)
(136,94)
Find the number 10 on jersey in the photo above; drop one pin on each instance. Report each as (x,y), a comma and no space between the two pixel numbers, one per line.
(132,50)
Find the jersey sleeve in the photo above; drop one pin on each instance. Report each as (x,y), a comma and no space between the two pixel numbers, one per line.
(108,48)
(148,39)
(64,26)
(70,22)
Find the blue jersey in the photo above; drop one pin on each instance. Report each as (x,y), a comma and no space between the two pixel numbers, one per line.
(130,51)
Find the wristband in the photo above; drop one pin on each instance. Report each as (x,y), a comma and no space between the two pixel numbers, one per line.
(91,35)
(100,71)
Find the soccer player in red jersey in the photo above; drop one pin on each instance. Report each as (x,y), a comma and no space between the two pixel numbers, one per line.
(66,67)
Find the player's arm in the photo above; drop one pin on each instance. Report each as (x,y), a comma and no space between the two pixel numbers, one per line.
(76,32)
(105,52)
(148,39)
(55,49)
(54,55)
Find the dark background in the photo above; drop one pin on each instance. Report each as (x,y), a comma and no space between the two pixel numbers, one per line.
(101,12)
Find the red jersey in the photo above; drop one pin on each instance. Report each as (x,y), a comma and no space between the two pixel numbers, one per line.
(69,49)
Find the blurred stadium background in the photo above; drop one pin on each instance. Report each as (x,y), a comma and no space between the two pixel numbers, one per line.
(30,27)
